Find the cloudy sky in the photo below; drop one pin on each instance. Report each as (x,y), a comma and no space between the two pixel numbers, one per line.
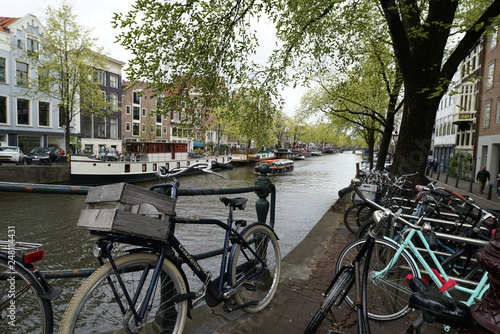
(97,14)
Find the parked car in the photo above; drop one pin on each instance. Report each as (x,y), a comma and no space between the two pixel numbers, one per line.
(42,155)
(11,153)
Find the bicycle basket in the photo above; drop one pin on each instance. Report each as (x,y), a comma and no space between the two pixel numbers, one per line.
(126,209)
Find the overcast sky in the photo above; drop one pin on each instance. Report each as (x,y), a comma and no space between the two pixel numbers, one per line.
(97,14)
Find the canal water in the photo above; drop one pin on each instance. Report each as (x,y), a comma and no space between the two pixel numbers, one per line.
(302,199)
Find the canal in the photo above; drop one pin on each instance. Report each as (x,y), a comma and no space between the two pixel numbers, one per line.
(302,199)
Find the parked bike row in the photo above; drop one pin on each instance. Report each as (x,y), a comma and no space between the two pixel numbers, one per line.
(416,249)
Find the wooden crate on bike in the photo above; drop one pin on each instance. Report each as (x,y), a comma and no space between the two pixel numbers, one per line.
(123,208)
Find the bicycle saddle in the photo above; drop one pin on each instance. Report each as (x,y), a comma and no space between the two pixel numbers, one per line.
(236,203)
(436,307)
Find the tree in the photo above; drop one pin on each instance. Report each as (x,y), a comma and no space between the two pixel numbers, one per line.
(214,40)
(66,62)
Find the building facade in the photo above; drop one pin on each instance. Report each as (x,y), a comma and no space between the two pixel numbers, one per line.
(96,134)
(488,116)
(28,118)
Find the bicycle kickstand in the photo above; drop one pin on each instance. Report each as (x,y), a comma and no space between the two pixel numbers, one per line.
(415,327)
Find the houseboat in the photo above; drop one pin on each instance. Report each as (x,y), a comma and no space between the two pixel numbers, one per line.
(277,166)
(140,163)
(302,151)
(284,153)
(249,155)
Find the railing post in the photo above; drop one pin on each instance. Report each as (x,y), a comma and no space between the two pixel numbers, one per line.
(265,188)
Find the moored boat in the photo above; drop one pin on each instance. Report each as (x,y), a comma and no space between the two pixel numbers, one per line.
(316,153)
(142,162)
(277,166)
(283,153)
(249,155)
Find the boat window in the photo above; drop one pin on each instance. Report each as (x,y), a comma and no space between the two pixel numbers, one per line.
(127,168)
(155,167)
(144,167)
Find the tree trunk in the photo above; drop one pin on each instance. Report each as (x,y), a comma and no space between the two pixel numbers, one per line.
(386,141)
(414,141)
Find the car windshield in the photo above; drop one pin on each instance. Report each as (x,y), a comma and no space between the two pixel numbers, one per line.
(8,149)
(39,150)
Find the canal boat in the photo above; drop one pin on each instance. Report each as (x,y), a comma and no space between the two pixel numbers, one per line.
(316,153)
(249,155)
(277,166)
(141,163)
(284,153)
(302,151)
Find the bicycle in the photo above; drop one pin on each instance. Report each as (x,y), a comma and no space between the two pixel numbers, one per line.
(25,296)
(113,298)
(378,269)
(394,261)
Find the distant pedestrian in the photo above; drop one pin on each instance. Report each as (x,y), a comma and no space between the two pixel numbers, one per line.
(428,167)
(482,176)
(436,165)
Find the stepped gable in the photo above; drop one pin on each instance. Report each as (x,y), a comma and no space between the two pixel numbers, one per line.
(6,21)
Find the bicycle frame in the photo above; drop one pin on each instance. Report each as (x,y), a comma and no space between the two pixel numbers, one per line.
(162,248)
(476,293)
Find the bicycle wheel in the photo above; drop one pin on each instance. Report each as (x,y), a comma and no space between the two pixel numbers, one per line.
(331,299)
(95,308)
(244,264)
(387,296)
(21,307)
(356,215)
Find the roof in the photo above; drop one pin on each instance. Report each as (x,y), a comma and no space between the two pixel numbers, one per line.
(7,21)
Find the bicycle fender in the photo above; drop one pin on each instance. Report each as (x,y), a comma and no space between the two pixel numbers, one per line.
(407,253)
(41,285)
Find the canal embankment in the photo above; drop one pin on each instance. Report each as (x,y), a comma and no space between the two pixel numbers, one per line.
(54,173)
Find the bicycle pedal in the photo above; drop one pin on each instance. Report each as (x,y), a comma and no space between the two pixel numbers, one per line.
(250,286)
(230,307)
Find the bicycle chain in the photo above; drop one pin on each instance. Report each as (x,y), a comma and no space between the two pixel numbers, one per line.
(342,324)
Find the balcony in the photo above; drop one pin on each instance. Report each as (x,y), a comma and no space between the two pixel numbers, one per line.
(464,119)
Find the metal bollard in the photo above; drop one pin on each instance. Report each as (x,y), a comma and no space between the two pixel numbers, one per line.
(446,179)
(489,191)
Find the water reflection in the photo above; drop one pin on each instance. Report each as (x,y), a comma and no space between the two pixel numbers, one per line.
(302,199)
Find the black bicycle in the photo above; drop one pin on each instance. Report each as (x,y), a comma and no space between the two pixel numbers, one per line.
(146,289)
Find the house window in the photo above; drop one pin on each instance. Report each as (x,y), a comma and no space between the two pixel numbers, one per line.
(494,38)
(487,109)
(164,129)
(143,112)
(23,112)
(101,77)
(158,118)
(43,80)
(43,113)
(158,131)
(127,110)
(498,112)
(135,130)
(113,98)
(136,115)
(137,98)
(144,128)
(3,109)
(113,81)
(127,126)
(113,127)
(101,128)
(32,48)
(62,116)
(88,126)
(21,74)
(3,77)
(491,73)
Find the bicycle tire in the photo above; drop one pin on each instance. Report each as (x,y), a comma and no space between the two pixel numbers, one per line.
(94,306)
(356,215)
(29,312)
(243,264)
(387,297)
(330,300)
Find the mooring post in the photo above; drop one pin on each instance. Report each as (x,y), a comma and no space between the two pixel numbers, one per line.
(265,188)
